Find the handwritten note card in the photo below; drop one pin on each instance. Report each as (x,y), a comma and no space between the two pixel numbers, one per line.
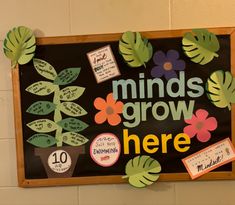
(103,64)
(209,158)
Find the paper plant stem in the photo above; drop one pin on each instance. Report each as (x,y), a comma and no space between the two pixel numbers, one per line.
(57,116)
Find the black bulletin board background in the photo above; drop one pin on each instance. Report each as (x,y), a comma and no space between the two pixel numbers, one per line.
(62,56)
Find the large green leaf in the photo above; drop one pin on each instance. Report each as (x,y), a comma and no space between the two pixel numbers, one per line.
(41,88)
(135,50)
(72,109)
(42,140)
(42,125)
(220,89)
(19,45)
(74,139)
(201,46)
(72,124)
(41,108)
(67,76)
(44,69)
(71,93)
(142,171)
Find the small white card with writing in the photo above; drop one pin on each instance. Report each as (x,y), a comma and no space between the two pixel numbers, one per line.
(209,158)
(103,64)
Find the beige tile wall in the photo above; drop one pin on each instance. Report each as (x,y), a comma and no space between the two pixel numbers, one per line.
(66,17)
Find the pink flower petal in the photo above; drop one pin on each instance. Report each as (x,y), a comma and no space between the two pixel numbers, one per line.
(118,108)
(114,119)
(203,135)
(100,103)
(191,121)
(100,117)
(211,123)
(190,131)
(201,114)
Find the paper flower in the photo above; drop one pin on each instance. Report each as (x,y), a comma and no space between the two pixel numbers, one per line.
(200,125)
(167,64)
(109,110)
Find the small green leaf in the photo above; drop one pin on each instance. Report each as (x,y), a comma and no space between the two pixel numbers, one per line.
(71,93)
(41,108)
(19,45)
(44,69)
(42,140)
(42,125)
(220,89)
(72,109)
(200,46)
(142,171)
(135,50)
(72,124)
(41,88)
(67,76)
(74,139)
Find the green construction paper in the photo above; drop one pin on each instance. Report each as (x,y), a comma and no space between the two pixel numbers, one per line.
(74,139)
(67,76)
(142,171)
(19,45)
(72,109)
(42,140)
(41,88)
(200,46)
(71,93)
(41,108)
(44,69)
(72,124)
(220,87)
(135,50)
(42,125)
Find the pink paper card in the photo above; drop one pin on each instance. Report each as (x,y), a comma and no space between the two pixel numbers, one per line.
(209,158)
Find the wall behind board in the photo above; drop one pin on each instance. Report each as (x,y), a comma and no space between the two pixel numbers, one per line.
(73,17)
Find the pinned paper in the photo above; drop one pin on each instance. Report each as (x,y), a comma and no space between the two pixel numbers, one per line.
(135,50)
(209,158)
(103,64)
(220,88)
(67,76)
(42,125)
(42,140)
(74,139)
(200,46)
(41,108)
(71,93)
(72,124)
(142,171)
(19,45)
(41,88)
(72,109)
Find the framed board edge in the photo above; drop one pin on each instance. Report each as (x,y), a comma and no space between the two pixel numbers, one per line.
(112,179)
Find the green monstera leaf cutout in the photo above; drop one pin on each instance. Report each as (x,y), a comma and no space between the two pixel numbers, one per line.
(220,89)
(19,45)
(142,171)
(135,50)
(200,46)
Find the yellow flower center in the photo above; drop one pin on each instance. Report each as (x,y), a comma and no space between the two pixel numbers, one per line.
(167,66)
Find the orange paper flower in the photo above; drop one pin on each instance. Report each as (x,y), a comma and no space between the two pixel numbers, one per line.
(109,110)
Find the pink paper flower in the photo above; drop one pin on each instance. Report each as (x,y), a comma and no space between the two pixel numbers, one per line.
(200,125)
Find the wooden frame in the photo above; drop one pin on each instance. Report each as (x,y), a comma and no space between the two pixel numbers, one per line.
(23,182)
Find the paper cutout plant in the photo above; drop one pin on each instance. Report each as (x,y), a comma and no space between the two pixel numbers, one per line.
(200,46)
(19,45)
(220,88)
(71,125)
(135,50)
(142,171)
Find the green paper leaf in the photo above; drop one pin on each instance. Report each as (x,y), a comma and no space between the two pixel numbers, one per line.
(19,45)
(42,140)
(41,108)
(41,88)
(72,109)
(42,125)
(67,76)
(44,69)
(74,139)
(71,93)
(220,89)
(135,50)
(72,124)
(142,171)
(200,46)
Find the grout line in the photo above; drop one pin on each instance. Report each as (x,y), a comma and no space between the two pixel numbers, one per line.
(70,25)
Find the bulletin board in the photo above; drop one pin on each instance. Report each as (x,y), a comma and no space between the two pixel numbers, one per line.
(64,99)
